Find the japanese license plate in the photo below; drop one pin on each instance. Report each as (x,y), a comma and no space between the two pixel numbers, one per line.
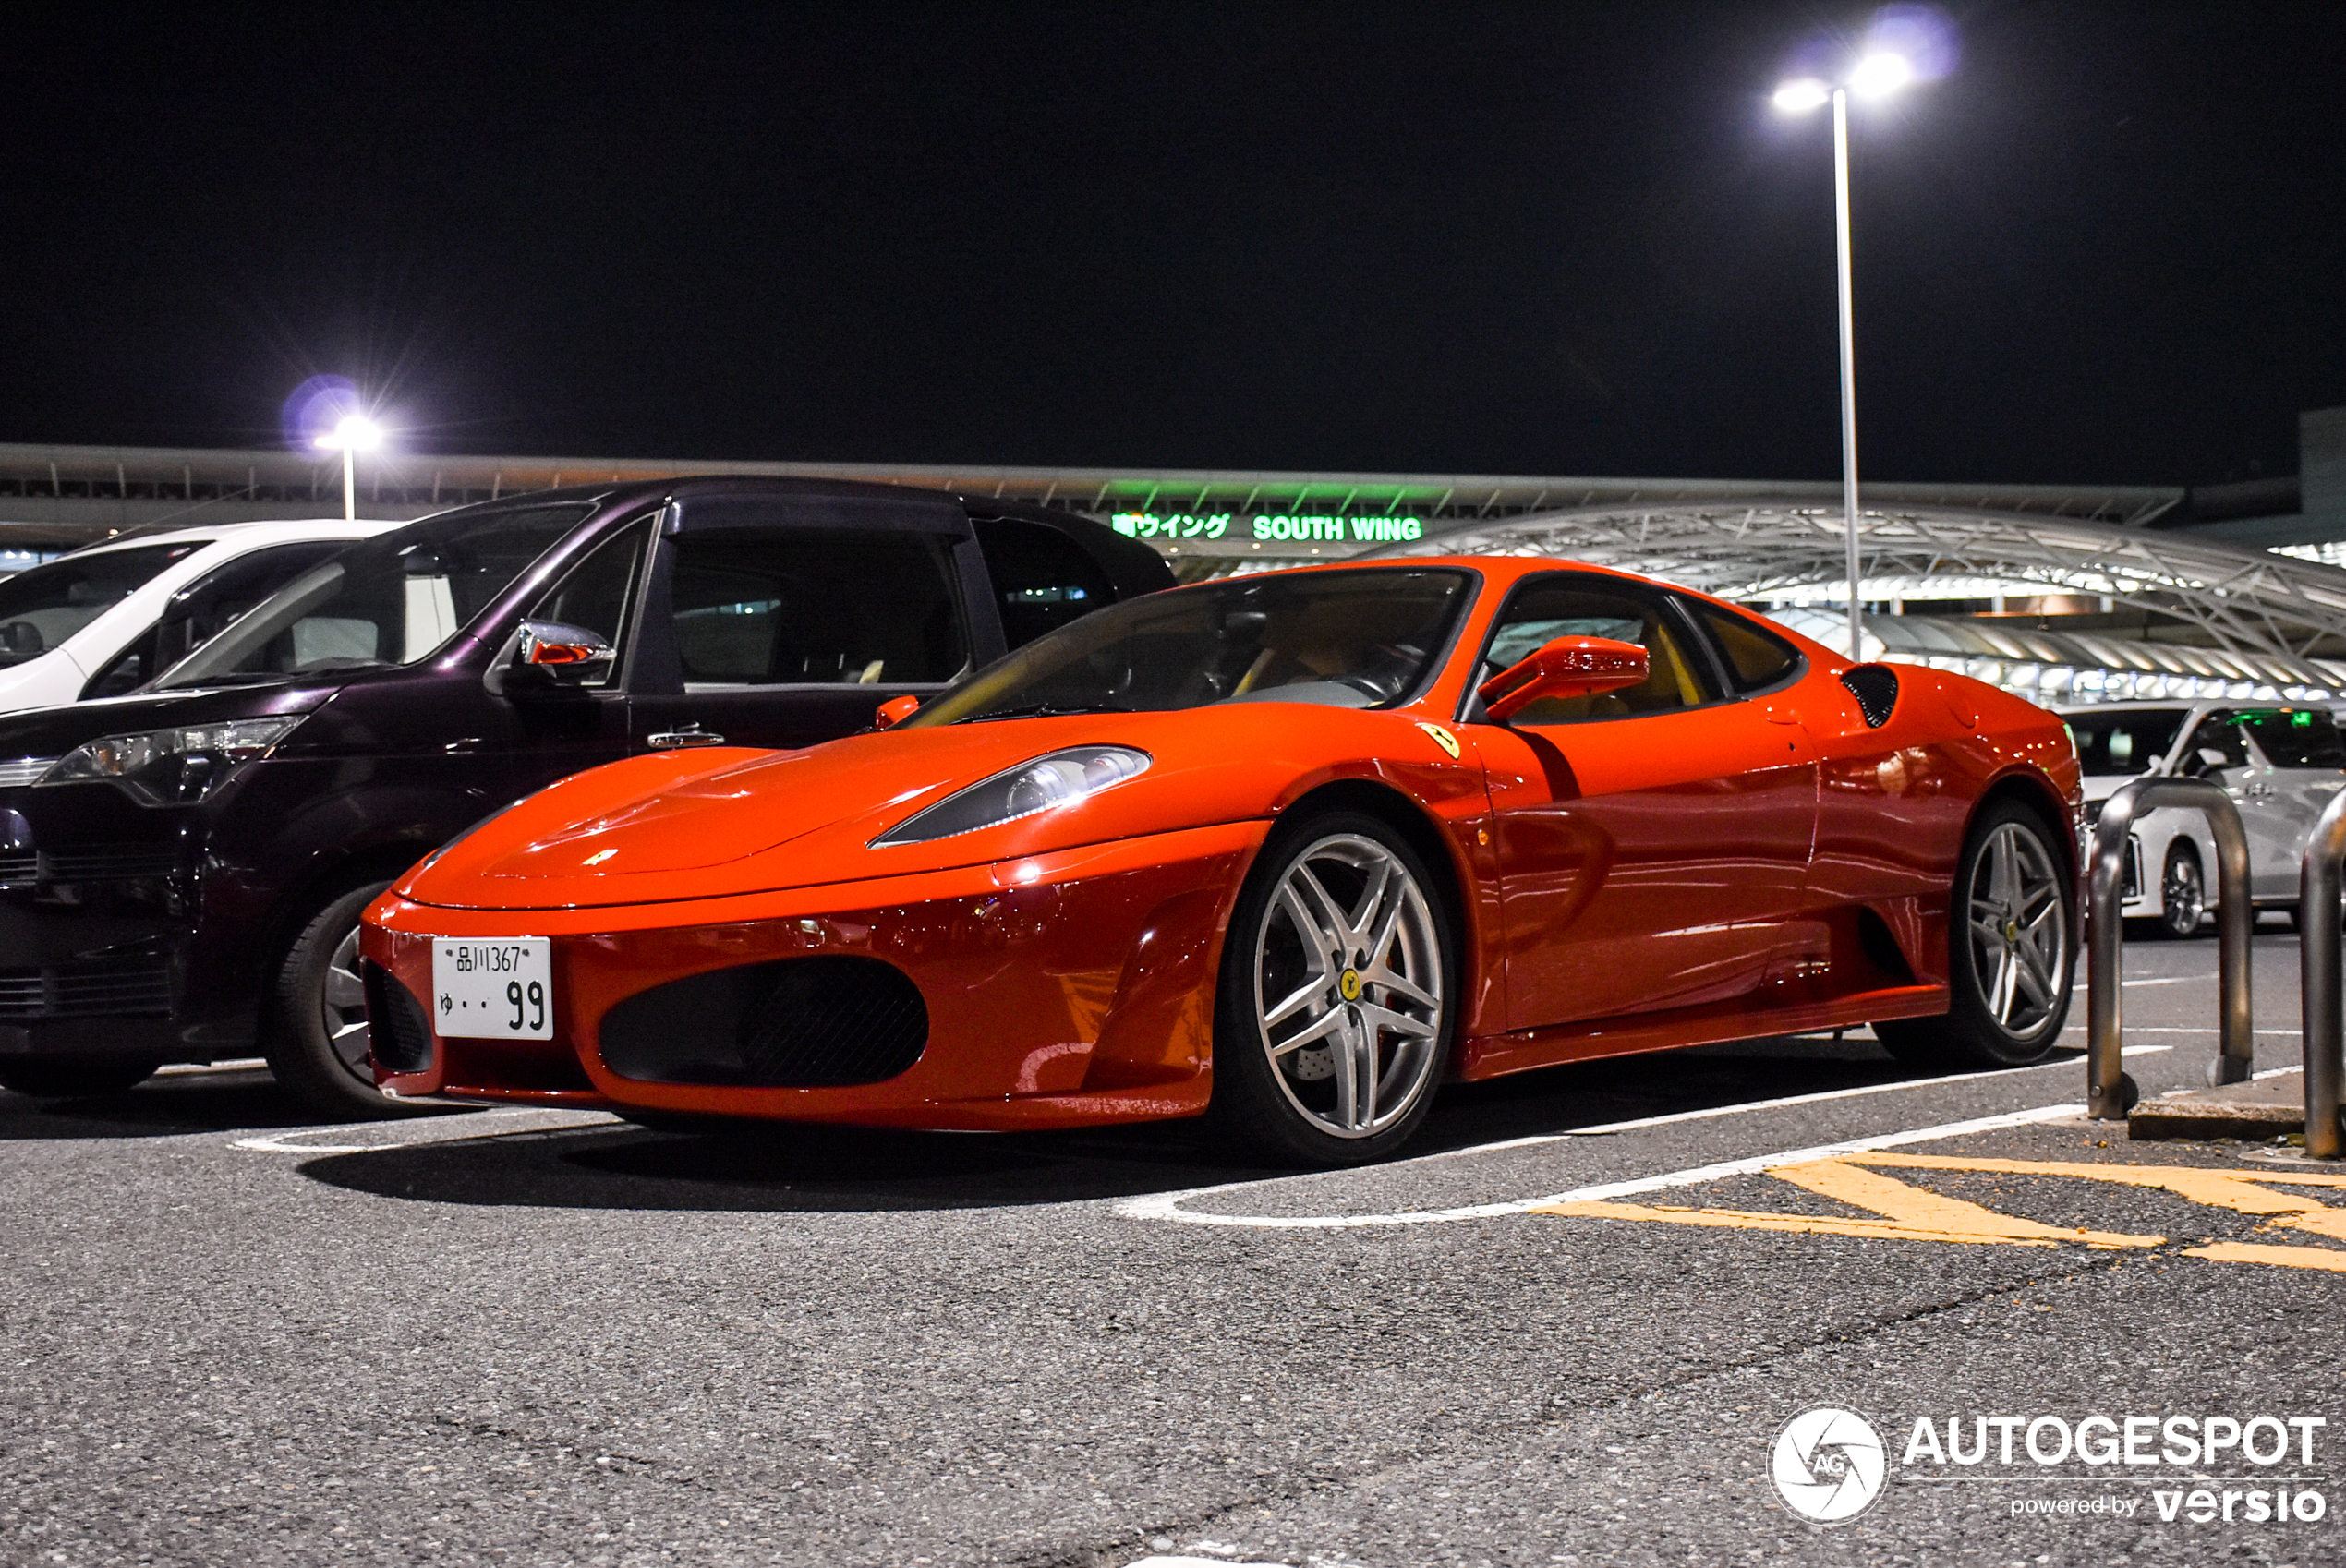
(493,990)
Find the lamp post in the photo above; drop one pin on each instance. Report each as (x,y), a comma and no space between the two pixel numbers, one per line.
(353,434)
(1874,76)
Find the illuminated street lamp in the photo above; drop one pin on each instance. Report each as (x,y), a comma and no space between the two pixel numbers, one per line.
(353,434)
(1875,75)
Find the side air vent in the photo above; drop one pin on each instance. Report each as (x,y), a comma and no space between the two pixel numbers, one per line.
(1876,688)
(397,1034)
(794,1023)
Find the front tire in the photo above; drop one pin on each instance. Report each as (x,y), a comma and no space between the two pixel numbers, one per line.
(1338,1003)
(2183,893)
(318,1052)
(2012,922)
(74,1077)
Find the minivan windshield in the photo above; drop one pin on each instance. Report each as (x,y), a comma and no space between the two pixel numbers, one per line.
(395,599)
(1355,638)
(43,606)
(2296,738)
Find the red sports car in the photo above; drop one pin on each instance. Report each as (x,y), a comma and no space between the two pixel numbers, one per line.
(1288,849)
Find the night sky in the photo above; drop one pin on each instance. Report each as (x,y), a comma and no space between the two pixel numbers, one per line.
(2108,248)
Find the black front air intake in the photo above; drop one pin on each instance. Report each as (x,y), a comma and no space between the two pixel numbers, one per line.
(1876,688)
(793,1023)
(398,1034)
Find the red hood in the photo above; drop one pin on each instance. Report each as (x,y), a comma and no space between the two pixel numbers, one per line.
(718,824)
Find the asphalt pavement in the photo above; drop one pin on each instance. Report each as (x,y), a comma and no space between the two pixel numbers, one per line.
(1581,1325)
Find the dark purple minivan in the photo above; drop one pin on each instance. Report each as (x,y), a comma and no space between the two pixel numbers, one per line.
(182,870)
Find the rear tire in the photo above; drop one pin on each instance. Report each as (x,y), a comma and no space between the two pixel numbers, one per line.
(2183,893)
(2011,925)
(318,1052)
(74,1077)
(1338,999)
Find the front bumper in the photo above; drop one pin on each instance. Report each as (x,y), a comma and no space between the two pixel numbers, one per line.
(1059,989)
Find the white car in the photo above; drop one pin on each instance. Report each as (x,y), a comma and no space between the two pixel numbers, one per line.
(2280,765)
(108,618)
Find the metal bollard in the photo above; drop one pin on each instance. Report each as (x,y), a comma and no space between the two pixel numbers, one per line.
(2317,974)
(2105,1081)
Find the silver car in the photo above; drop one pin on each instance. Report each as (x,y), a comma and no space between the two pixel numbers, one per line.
(2279,765)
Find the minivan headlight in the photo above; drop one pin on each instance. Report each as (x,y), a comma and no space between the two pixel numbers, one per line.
(1063,778)
(169,766)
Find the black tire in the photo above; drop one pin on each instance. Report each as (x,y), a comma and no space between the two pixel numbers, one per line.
(74,1077)
(2183,893)
(1275,1092)
(326,1069)
(1999,1019)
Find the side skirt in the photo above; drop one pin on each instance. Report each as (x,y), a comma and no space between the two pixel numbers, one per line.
(1494,1055)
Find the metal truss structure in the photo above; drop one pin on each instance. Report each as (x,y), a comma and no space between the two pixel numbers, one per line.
(2242,600)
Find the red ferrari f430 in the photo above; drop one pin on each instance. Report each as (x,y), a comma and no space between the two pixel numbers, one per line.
(1287,850)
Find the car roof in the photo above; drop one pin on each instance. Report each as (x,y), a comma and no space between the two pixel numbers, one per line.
(292,530)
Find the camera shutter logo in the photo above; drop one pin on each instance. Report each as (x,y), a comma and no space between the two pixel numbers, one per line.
(1828,1464)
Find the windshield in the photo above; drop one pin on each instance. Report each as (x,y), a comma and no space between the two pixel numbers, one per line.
(41,608)
(395,599)
(2127,742)
(1346,639)
(2298,738)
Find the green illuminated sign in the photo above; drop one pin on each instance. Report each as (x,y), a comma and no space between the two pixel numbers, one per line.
(1265,525)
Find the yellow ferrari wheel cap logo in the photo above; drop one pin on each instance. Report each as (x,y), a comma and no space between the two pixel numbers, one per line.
(1350,984)
(1442,737)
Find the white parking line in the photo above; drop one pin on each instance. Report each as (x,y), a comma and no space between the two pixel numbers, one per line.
(1167,1205)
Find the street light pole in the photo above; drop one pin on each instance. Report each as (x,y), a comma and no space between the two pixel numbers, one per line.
(350,434)
(350,453)
(1874,76)
(1848,361)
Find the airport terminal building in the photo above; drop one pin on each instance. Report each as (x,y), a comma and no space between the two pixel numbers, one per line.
(2062,593)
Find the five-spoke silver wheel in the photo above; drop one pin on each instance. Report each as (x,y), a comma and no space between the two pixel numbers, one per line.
(2019,930)
(1347,986)
(342,1010)
(2012,929)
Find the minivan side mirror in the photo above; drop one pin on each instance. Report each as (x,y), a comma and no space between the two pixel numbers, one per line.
(1568,666)
(550,657)
(2209,757)
(895,711)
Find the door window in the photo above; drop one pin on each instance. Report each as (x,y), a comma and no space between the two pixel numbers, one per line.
(2220,731)
(596,592)
(1755,659)
(1042,578)
(41,608)
(1548,608)
(783,606)
(201,610)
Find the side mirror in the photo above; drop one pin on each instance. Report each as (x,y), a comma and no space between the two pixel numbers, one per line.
(895,711)
(2209,757)
(1568,666)
(550,657)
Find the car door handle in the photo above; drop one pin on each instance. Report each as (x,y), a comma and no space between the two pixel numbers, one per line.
(691,735)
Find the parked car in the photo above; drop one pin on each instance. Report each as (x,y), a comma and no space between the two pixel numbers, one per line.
(182,870)
(106,619)
(2279,765)
(1291,849)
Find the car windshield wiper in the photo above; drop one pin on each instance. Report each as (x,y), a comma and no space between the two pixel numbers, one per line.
(1046,710)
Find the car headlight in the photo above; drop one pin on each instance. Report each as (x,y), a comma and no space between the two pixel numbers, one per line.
(1063,778)
(169,766)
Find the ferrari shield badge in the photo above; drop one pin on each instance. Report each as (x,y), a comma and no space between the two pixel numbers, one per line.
(1442,737)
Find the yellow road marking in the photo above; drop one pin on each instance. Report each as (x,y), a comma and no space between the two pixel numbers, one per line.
(1907,1212)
